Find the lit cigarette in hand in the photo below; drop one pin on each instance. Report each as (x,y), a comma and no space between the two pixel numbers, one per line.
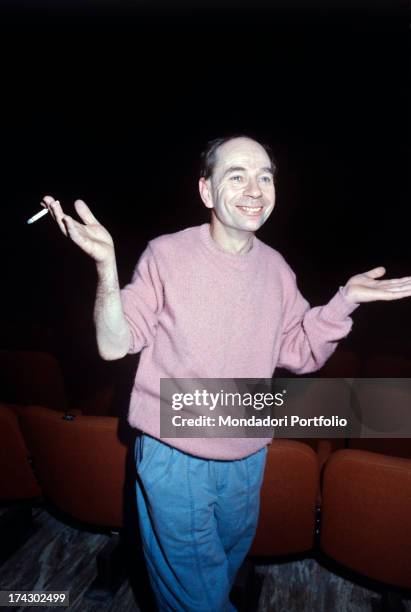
(37,216)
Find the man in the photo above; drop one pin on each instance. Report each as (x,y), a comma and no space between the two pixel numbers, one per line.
(209,302)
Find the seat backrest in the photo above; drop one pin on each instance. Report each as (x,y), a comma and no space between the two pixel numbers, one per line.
(288,499)
(17,480)
(80,463)
(366,513)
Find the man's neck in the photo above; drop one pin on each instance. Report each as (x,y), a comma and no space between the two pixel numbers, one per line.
(230,239)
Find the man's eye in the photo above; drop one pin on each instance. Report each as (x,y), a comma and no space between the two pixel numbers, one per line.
(266,179)
(237,178)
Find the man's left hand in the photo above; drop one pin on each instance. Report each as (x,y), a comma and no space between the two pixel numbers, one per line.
(366,288)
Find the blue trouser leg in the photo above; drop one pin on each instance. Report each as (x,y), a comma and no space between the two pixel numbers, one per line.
(197,520)
(237,513)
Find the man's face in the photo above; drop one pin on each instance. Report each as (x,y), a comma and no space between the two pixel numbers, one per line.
(240,191)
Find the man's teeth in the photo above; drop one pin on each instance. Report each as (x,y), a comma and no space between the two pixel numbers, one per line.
(251,209)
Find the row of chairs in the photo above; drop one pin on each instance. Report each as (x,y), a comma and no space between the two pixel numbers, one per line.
(350,497)
(78,462)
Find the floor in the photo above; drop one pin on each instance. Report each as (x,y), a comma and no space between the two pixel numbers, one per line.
(58,557)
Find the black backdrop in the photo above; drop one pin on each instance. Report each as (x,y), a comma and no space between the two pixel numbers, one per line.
(113,103)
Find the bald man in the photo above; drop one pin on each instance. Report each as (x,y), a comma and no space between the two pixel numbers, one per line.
(211,301)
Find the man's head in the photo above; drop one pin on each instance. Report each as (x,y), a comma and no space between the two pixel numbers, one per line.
(237,183)
(209,155)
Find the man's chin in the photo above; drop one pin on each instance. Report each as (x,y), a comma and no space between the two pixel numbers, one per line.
(251,225)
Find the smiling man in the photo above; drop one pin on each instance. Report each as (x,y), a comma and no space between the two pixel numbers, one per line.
(211,301)
(238,186)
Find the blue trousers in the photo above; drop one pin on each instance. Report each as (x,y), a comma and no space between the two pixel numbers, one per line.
(197,519)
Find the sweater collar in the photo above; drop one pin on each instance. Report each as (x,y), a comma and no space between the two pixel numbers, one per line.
(241,259)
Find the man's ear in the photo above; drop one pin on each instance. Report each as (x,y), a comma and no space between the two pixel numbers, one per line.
(205,192)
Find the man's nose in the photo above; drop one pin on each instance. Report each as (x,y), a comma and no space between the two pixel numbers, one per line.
(253,188)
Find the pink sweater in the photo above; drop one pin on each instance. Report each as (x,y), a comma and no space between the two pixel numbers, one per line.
(196,311)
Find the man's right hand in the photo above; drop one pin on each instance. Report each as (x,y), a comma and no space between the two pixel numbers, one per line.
(90,235)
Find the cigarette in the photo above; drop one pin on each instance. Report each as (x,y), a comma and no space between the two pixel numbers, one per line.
(37,216)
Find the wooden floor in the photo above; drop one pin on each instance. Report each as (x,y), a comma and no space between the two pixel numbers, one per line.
(59,556)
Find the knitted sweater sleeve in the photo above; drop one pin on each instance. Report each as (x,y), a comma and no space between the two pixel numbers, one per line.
(311,335)
(142,301)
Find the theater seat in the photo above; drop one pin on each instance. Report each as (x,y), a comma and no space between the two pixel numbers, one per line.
(288,500)
(366,512)
(80,463)
(17,481)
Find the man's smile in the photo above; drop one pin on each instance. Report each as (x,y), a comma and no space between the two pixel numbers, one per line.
(251,211)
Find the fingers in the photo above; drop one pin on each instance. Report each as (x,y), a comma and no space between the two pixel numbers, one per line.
(395,294)
(396,284)
(47,200)
(370,278)
(46,203)
(86,234)
(57,213)
(375,272)
(372,294)
(73,229)
(392,284)
(84,212)
(399,287)
(68,225)
(78,233)
(55,210)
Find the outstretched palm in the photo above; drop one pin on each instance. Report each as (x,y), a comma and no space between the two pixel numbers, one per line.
(90,235)
(367,288)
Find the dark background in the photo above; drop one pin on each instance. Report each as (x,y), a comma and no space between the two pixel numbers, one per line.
(114,104)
